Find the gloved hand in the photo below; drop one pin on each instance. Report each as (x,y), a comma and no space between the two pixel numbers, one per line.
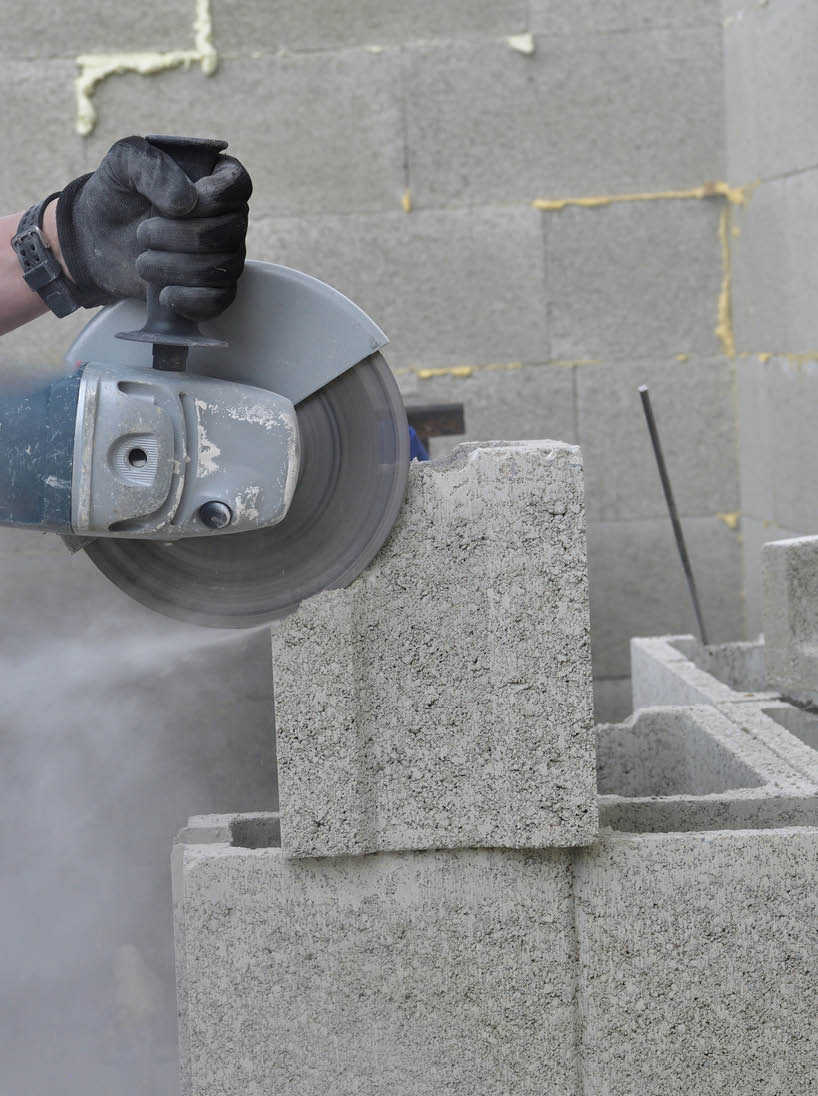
(111,246)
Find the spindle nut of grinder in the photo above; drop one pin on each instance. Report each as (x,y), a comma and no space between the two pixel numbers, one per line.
(173,335)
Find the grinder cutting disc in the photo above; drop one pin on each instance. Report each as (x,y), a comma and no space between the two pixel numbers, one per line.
(291,334)
(355,458)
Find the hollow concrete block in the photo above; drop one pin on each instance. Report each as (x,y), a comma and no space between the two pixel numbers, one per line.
(444,699)
(407,973)
(697,956)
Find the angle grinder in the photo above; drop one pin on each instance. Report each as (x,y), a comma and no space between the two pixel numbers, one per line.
(233,470)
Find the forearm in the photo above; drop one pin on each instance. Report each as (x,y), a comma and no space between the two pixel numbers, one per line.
(18,303)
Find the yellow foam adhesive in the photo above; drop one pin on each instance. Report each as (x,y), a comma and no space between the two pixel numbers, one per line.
(764,358)
(96,67)
(736,195)
(724,326)
(456,371)
(682,357)
(406,202)
(522,43)
(490,367)
(731,520)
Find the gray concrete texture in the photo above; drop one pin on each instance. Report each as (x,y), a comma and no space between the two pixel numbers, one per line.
(696,954)
(755,533)
(270,25)
(36,31)
(789,573)
(444,699)
(591,17)
(637,585)
(693,401)
(771,92)
(634,279)
(408,973)
(565,136)
(774,282)
(779,466)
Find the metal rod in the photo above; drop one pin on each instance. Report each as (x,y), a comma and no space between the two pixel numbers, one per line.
(671,505)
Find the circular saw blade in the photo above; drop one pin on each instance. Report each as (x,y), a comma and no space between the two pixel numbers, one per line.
(355,461)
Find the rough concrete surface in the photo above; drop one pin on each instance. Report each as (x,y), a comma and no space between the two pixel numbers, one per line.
(756,532)
(411,973)
(637,586)
(697,963)
(323,24)
(444,699)
(591,17)
(634,279)
(771,92)
(693,404)
(579,119)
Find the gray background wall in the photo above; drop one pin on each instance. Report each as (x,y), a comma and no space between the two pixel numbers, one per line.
(542,321)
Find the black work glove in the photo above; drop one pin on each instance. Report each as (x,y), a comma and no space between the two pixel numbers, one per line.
(194,247)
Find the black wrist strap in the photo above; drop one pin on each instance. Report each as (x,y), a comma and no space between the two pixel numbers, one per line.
(41,271)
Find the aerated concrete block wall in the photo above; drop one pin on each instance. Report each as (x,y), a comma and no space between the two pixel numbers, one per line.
(772,145)
(541,319)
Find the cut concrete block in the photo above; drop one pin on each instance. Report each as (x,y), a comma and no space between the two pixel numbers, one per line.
(774,282)
(38,105)
(634,279)
(692,768)
(333,125)
(449,288)
(637,586)
(269,25)
(591,17)
(677,670)
(406,973)
(772,96)
(444,699)
(697,963)
(789,571)
(521,402)
(35,32)
(693,402)
(570,119)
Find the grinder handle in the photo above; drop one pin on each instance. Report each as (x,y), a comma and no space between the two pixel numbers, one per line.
(197,157)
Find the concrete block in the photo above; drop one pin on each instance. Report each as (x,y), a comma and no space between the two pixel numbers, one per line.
(774,282)
(789,576)
(636,279)
(268,25)
(755,534)
(36,350)
(522,402)
(780,466)
(637,586)
(612,699)
(772,96)
(488,124)
(333,130)
(38,101)
(678,670)
(444,699)
(449,287)
(590,17)
(34,31)
(693,402)
(692,768)
(696,954)
(785,730)
(409,973)
(754,445)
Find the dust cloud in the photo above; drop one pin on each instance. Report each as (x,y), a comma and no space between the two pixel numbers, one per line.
(115,726)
